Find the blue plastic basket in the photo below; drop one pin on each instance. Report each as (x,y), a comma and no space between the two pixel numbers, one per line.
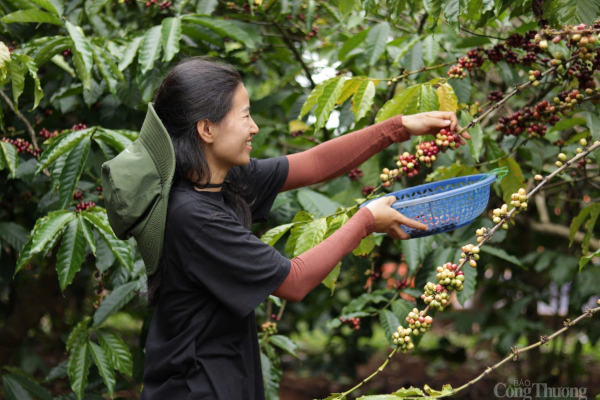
(444,205)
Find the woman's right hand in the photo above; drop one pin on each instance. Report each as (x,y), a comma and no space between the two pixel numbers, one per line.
(388,220)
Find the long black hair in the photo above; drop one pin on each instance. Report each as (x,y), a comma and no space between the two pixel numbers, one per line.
(197,88)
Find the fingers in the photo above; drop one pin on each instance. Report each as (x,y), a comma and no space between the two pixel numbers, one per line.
(445,118)
(412,223)
(397,233)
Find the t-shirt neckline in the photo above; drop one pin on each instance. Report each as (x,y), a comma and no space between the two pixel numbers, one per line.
(213,195)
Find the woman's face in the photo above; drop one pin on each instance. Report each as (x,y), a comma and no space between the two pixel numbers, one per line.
(231,146)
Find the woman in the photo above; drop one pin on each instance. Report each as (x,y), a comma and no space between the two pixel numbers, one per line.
(202,341)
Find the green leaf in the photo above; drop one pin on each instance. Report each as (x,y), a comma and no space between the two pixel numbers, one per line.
(13,390)
(431,49)
(351,43)
(447,98)
(312,235)
(171,35)
(148,82)
(589,226)
(567,123)
(389,322)
(326,102)
(476,142)
(273,235)
(312,98)
(446,389)
(11,160)
(71,172)
(84,75)
(376,40)
(150,48)
(452,11)
(31,15)
(336,223)
(331,279)
(512,182)
(119,248)
(70,255)
(82,45)
(271,377)
(379,397)
(130,52)
(397,52)
(578,221)
(502,254)
(86,230)
(115,139)
(108,68)
(29,64)
(401,308)
(397,104)
(17,75)
(206,7)
(365,246)
(79,368)
(411,391)
(350,87)
(300,222)
(26,382)
(25,255)
(47,50)
(93,7)
(116,351)
(415,250)
(54,6)
(223,28)
(13,234)
(425,100)
(104,367)
(53,224)
(363,100)
(68,142)
(586,259)
(315,202)
(116,300)
(284,343)
(576,11)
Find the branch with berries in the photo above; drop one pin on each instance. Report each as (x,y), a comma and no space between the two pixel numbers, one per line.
(451,278)
(514,355)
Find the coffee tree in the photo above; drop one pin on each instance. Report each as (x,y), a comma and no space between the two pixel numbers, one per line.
(522,77)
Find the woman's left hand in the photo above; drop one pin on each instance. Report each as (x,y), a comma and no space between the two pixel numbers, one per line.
(430,123)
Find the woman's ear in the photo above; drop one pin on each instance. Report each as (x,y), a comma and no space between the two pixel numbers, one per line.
(205,131)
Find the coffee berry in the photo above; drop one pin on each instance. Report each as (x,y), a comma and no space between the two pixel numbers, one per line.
(407,165)
(353,323)
(519,199)
(436,296)
(270,328)
(450,278)
(481,234)
(418,323)
(401,338)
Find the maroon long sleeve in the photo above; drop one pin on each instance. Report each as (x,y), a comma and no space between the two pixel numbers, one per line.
(340,155)
(312,266)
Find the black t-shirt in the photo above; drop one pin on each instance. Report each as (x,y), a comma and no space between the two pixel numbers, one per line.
(202,342)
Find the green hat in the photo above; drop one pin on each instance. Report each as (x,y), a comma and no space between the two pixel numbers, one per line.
(136,189)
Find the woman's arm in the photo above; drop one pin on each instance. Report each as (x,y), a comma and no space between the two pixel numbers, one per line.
(312,266)
(340,155)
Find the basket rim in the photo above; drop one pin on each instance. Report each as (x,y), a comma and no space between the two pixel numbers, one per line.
(485,182)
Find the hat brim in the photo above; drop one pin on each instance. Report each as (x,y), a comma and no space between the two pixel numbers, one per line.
(150,240)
